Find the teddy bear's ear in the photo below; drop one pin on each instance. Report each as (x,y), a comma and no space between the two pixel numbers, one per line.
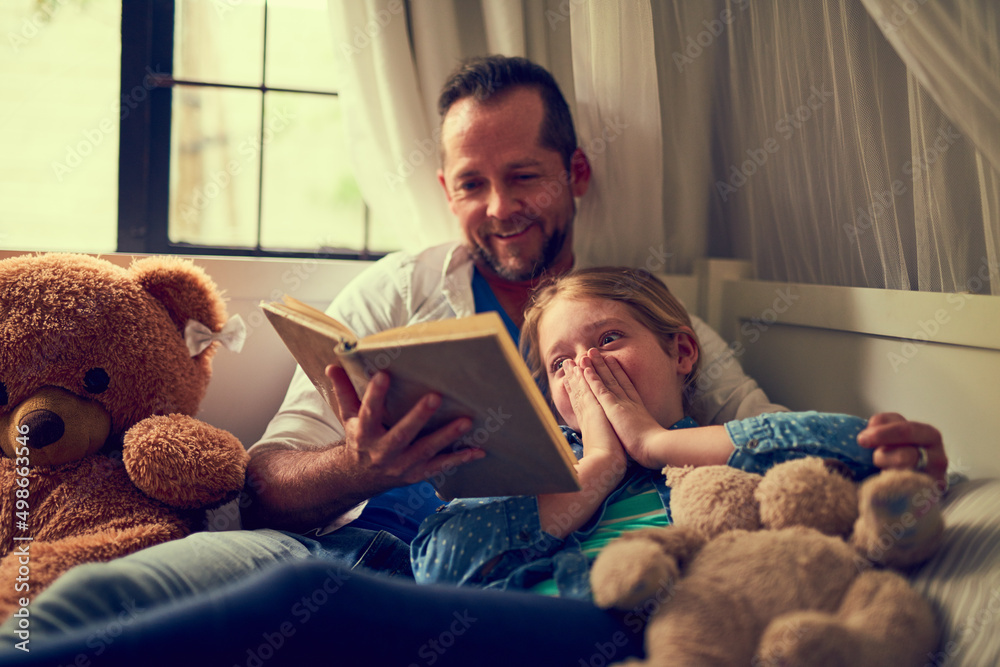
(675,474)
(713,499)
(183,289)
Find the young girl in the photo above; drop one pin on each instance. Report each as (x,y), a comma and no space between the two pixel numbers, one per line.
(616,354)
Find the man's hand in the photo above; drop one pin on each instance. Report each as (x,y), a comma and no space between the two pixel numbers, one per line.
(390,457)
(897,443)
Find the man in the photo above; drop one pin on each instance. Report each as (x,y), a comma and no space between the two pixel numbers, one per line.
(356,493)
(510,170)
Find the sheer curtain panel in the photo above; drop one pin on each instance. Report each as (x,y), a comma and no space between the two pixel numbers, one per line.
(858,149)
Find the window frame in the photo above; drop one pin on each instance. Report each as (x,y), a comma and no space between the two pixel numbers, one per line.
(147,53)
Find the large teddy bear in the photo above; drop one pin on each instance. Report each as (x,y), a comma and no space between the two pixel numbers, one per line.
(101,453)
(785,569)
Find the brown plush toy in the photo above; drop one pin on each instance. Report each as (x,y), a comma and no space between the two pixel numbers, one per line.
(784,569)
(101,454)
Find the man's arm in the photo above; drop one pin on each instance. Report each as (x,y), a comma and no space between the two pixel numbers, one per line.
(321,483)
(896,441)
(300,489)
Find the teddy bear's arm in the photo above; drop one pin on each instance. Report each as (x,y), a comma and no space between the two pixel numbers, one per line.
(639,565)
(184,462)
(899,518)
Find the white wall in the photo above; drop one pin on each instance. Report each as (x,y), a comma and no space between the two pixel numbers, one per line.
(248,387)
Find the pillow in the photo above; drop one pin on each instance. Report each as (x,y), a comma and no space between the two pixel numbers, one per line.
(962,580)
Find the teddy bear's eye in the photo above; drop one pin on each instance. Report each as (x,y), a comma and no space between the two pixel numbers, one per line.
(3,394)
(96,380)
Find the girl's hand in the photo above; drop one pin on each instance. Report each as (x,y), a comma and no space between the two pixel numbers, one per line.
(599,437)
(601,468)
(623,407)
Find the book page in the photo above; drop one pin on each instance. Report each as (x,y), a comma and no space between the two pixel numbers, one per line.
(435,330)
(321,319)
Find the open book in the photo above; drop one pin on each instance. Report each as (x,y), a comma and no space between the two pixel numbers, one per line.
(475,367)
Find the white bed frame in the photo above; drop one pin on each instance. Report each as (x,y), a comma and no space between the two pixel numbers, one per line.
(932,357)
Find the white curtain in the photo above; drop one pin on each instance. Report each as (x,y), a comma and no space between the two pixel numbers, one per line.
(445,32)
(644,114)
(843,142)
(858,149)
(618,127)
(687,86)
(952,54)
(392,137)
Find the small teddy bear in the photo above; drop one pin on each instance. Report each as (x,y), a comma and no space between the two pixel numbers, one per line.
(783,569)
(101,453)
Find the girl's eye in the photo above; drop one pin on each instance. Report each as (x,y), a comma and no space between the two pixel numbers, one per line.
(557,365)
(610,337)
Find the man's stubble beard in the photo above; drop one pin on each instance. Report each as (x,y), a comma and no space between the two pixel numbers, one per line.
(550,251)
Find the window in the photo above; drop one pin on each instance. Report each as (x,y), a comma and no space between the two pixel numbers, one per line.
(181,126)
(60,67)
(237,145)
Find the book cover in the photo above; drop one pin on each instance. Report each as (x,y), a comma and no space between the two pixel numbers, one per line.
(475,367)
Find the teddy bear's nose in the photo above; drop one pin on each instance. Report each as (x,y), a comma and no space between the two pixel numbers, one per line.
(45,427)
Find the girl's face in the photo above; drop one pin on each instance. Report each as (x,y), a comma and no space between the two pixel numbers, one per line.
(569,327)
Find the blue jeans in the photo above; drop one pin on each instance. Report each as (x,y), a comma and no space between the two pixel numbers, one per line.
(361,548)
(195,566)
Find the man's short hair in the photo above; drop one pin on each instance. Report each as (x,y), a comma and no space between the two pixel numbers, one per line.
(485,77)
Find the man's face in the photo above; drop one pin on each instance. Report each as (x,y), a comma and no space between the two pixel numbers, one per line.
(512,197)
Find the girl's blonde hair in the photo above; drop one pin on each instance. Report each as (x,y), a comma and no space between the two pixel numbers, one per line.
(643,294)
